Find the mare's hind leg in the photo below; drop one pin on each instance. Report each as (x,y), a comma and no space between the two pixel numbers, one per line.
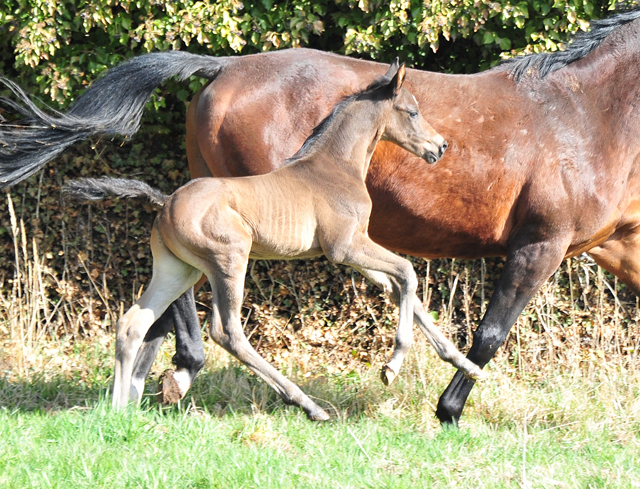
(620,255)
(182,317)
(227,281)
(171,278)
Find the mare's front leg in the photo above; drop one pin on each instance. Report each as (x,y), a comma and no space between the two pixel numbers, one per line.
(227,281)
(529,264)
(182,317)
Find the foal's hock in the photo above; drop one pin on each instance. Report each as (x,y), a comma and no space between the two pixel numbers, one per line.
(317,204)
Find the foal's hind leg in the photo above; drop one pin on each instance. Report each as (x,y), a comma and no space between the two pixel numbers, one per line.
(189,357)
(181,317)
(147,353)
(171,278)
(227,281)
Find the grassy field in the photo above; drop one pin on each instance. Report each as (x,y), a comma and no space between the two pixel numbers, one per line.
(567,430)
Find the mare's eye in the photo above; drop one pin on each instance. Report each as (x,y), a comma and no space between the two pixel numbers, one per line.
(413,114)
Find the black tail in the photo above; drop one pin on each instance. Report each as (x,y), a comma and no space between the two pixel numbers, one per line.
(112,105)
(101,188)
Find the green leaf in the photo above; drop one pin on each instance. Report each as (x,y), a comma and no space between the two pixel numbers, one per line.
(488,37)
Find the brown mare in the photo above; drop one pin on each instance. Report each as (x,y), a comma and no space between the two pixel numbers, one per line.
(316,204)
(543,162)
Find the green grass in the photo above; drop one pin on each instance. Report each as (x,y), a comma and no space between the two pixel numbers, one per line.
(151,448)
(563,429)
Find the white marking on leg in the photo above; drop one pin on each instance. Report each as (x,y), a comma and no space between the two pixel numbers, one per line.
(183,380)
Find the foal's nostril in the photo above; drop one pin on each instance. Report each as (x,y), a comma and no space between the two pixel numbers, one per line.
(443,148)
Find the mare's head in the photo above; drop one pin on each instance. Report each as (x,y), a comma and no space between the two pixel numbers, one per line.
(405,125)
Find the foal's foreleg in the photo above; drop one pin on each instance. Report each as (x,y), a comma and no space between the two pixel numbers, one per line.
(443,347)
(404,335)
(397,277)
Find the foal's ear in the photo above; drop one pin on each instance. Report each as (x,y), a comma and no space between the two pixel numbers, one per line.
(398,79)
(393,68)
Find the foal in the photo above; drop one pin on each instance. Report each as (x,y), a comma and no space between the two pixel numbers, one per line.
(316,205)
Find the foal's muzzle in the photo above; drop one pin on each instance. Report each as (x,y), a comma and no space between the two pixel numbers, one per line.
(432,157)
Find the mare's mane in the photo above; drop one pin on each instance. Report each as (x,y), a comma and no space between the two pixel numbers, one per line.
(542,64)
(322,127)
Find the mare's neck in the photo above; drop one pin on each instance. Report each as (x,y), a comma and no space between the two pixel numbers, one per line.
(614,65)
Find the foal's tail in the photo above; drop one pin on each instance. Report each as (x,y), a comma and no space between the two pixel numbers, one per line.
(113,105)
(101,188)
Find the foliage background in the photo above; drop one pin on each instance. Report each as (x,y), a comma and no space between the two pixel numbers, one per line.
(56,47)
(69,270)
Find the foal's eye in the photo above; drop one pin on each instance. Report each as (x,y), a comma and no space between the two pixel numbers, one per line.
(413,114)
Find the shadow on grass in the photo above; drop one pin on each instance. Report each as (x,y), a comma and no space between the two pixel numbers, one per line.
(235,390)
(218,392)
(49,395)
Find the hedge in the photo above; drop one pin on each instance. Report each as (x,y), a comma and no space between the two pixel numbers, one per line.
(57,47)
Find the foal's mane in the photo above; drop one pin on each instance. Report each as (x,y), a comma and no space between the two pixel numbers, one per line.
(582,44)
(322,127)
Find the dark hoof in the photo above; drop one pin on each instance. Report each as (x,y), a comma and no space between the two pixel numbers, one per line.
(169,389)
(387,375)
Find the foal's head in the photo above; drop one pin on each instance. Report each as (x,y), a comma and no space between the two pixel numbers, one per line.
(405,125)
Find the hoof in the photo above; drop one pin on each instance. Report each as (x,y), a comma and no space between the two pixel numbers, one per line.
(387,375)
(170,392)
(477,374)
(317,414)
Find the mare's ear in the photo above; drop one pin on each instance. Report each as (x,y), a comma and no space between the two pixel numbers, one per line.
(393,68)
(398,80)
